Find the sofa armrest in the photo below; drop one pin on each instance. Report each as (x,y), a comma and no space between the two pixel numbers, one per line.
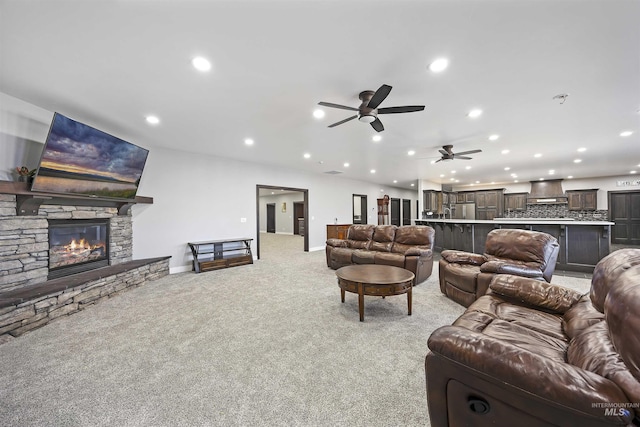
(418,252)
(558,383)
(337,243)
(536,293)
(461,257)
(517,269)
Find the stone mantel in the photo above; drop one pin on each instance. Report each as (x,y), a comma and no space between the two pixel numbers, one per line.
(28,202)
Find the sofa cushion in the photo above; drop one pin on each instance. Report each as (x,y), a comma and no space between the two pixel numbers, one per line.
(382,239)
(622,314)
(359,236)
(464,276)
(522,245)
(361,256)
(593,351)
(510,266)
(341,256)
(389,258)
(534,292)
(410,236)
(461,257)
(607,271)
(580,316)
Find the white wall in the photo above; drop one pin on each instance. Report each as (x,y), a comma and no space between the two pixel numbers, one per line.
(203,204)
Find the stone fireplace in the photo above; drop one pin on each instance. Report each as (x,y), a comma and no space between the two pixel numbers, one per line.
(77,245)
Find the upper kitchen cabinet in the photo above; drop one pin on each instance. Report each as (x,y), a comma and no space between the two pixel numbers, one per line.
(583,200)
(515,202)
(489,204)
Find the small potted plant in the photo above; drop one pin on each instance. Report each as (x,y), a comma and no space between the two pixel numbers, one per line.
(24,174)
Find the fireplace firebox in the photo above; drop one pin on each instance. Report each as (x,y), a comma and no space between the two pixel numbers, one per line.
(77,245)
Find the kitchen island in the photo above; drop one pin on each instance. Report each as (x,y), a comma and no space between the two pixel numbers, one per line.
(582,243)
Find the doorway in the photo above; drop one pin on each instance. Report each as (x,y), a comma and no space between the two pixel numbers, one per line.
(298,218)
(271,217)
(395,212)
(406,212)
(287,208)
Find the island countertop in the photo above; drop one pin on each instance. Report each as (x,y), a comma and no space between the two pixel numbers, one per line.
(549,221)
(582,243)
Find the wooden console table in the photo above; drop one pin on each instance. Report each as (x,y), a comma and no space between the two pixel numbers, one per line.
(216,254)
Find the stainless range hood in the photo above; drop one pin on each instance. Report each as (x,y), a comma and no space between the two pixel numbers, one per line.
(547,193)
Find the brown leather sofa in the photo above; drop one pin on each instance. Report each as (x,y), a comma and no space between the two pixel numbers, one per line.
(531,353)
(465,276)
(409,247)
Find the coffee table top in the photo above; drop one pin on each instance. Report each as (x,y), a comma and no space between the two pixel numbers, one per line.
(374,273)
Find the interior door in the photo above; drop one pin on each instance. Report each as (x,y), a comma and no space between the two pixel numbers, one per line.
(271,217)
(406,212)
(624,210)
(395,212)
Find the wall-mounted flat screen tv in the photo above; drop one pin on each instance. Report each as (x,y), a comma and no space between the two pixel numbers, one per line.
(81,160)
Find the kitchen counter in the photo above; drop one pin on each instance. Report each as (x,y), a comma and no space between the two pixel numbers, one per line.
(567,221)
(582,243)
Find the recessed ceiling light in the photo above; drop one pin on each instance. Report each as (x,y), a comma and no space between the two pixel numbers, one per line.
(626,133)
(201,64)
(152,120)
(467,167)
(632,171)
(493,137)
(507,168)
(577,161)
(570,176)
(552,172)
(514,175)
(373,171)
(412,184)
(475,113)
(248,141)
(451,179)
(505,151)
(318,113)
(515,180)
(411,152)
(346,165)
(457,180)
(376,138)
(537,155)
(441,175)
(439,65)
(540,179)
(477,182)
(582,150)
(306,155)
(493,182)
(453,171)
(395,181)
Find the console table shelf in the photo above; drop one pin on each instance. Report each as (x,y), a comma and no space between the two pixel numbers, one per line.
(211,255)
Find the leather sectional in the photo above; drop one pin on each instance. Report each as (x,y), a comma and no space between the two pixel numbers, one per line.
(530,353)
(409,247)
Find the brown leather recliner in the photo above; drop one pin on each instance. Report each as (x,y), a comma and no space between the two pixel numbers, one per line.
(531,353)
(409,247)
(465,276)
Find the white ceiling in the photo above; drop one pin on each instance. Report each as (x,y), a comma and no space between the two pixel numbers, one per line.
(111,63)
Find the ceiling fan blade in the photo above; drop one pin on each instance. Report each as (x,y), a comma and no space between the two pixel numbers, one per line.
(342,107)
(343,121)
(404,109)
(468,152)
(444,153)
(439,160)
(462,157)
(377,125)
(379,96)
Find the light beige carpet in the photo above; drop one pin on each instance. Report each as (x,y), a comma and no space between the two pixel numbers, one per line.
(269,344)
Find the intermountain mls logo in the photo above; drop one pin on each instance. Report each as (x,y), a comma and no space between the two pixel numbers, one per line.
(622,409)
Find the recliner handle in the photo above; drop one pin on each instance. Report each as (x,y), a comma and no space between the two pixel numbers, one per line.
(478,405)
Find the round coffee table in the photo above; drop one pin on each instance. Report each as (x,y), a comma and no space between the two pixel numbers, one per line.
(376,280)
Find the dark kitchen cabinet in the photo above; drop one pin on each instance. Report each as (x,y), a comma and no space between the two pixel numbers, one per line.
(515,202)
(489,204)
(432,201)
(583,200)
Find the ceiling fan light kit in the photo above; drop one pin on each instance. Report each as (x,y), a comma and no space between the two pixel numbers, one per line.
(368,110)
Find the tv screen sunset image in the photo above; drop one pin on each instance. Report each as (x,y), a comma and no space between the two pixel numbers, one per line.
(80,159)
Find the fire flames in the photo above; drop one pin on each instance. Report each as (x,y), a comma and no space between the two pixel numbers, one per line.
(73,245)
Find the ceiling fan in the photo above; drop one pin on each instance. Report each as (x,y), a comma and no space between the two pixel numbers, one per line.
(448,154)
(368,110)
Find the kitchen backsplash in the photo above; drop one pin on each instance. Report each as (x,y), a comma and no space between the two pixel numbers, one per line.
(558,211)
